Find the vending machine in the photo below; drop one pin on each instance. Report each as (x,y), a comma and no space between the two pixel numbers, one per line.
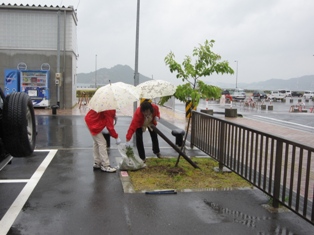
(11,81)
(36,84)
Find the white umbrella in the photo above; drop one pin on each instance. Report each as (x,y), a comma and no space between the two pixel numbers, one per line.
(155,88)
(113,96)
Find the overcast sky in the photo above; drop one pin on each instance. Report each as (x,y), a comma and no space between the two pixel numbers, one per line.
(268,38)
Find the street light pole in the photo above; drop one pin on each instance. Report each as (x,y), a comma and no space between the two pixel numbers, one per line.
(136,74)
(236,74)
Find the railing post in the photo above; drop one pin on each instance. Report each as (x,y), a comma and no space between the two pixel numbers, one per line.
(221,145)
(277,178)
(194,117)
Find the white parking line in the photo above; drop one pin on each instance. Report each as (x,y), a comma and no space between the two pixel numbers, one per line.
(11,215)
(13,181)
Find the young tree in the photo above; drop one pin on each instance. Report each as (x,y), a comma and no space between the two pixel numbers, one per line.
(205,63)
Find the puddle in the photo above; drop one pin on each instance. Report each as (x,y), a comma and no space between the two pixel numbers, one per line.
(212,213)
(229,215)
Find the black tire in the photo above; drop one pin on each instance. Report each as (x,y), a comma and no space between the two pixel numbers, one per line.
(19,127)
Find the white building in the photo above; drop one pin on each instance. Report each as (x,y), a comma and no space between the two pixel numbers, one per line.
(35,35)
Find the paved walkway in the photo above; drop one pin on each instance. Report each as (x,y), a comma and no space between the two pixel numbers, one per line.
(305,138)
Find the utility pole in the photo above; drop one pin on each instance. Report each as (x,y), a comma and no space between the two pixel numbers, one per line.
(236,74)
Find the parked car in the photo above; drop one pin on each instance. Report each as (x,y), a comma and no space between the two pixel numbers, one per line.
(238,94)
(308,95)
(259,95)
(278,94)
(288,93)
(17,125)
(296,94)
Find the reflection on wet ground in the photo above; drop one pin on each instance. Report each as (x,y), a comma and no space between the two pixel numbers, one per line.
(234,216)
(218,214)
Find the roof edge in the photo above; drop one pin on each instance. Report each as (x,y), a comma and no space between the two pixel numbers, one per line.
(34,7)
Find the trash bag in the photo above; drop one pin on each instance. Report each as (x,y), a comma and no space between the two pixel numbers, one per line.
(130,160)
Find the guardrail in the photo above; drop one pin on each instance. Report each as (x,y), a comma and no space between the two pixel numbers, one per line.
(281,168)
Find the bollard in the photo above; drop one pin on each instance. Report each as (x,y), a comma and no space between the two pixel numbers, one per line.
(208,111)
(54,109)
(231,113)
(178,133)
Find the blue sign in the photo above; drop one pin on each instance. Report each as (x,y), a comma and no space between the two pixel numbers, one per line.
(11,81)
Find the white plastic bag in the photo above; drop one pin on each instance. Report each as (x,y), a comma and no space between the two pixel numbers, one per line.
(132,162)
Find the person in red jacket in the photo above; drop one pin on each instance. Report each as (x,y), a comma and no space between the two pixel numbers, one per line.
(228,97)
(96,122)
(143,117)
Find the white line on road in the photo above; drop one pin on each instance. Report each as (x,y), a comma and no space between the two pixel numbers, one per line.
(11,215)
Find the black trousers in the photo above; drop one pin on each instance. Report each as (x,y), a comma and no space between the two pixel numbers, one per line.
(140,144)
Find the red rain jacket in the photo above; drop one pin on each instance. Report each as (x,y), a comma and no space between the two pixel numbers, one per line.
(138,120)
(228,97)
(96,122)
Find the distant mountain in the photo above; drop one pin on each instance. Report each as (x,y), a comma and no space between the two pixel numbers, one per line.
(118,73)
(124,73)
(295,84)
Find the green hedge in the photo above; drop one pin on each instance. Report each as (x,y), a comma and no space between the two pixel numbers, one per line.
(86,93)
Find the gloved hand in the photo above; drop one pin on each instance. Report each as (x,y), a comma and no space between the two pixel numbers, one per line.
(118,141)
(115,120)
(157,119)
(127,144)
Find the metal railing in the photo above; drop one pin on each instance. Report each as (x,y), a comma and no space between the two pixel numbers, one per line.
(281,168)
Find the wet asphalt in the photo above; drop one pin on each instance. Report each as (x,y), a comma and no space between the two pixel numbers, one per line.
(56,191)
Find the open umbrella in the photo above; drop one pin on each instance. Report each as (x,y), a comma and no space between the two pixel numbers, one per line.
(113,96)
(155,88)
